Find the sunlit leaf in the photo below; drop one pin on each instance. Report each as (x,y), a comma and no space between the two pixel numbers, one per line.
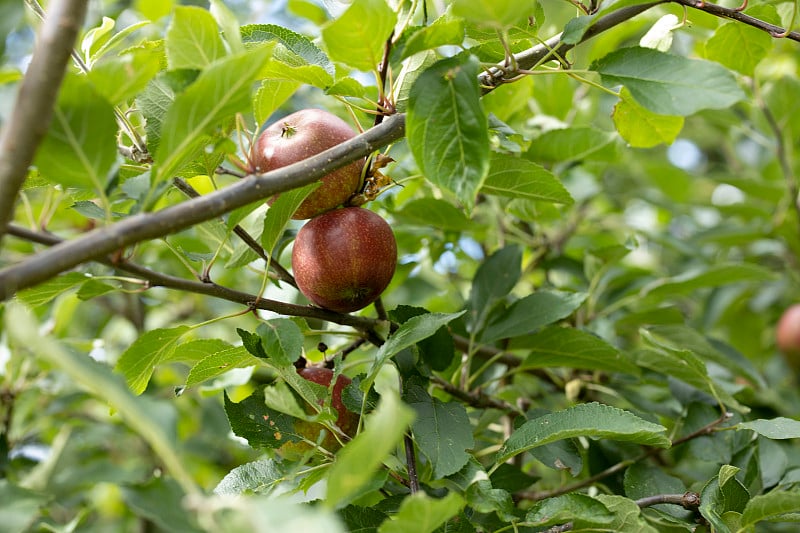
(193,39)
(447,128)
(138,362)
(670,84)
(357,461)
(588,420)
(357,37)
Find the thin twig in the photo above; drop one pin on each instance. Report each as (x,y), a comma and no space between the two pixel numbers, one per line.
(33,110)
(737,15)
(280,273)
(411,462)
(477,398)
(688,500)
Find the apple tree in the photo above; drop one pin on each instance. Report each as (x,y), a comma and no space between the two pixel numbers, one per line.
(595,227)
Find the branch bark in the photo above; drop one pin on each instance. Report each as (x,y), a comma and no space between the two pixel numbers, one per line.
(33,109)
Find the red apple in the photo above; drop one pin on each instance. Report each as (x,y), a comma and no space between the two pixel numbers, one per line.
(301,135)
(344,259)
(788,335)
(346,421)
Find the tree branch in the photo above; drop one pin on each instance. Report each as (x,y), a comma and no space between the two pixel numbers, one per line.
(159,279)
(33,109)
(733,14)
(104,241)
(688,500)
(555,48)
(277,269)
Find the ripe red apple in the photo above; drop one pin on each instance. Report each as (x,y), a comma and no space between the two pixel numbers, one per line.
(344,259)
(298,136)
(346,421)
(788,335)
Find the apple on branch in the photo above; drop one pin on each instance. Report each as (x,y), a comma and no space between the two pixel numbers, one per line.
(299,136)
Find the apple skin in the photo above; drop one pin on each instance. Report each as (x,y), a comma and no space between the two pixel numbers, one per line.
(344,259)
(301,135)
(346,421)
(788,335)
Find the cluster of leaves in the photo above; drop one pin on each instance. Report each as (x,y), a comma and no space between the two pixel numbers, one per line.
(579,334)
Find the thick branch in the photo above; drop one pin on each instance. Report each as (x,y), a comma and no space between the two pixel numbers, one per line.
(104,241)
(555,48)
(37,94)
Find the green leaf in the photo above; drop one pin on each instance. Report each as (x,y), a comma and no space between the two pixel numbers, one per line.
(442,431)
(721,496)
(159,501)
(357,37)
(682,337)
(270,96)
(642,128)
(80,145)
(20,506)
(519,178)
(669,84)
(252,343)
(150,349)
(642,480)
(217,363)
(195,350)
(142,416)
(627,515)
(684,365)
(447,129)
(156,99)
(437,350)
(124,77)
(444,30)
(495,278)
(347,86)
(93,288)
(584,420)
(741,47)
(708,277)
(774,428)
(530,313)
(258,477)
(769,507)
(262,427)
(494,13)
(357,462)
(362,519)
(96,37)
(411,332)
(192,39)
(435,213)
(555,347)
(282,340)
(421,513)
(221,90)
(580,509)
(49,290)
(230,26)
(566,144)
(298,45)
(412,68)
(280,213)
